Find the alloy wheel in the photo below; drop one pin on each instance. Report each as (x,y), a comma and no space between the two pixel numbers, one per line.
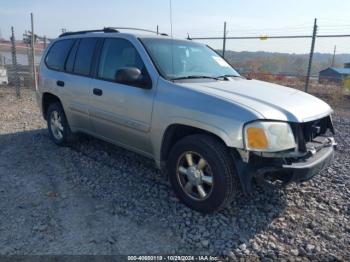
(195,176)
(56,125)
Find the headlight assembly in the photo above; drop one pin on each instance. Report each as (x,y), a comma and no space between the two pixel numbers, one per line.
(267,136)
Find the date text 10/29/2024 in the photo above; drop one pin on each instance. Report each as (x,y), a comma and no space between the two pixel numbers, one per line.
(173,258)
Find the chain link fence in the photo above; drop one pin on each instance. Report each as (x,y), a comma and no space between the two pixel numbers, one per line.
(18,63)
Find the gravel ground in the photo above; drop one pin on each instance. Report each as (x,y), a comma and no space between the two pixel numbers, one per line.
(96,198)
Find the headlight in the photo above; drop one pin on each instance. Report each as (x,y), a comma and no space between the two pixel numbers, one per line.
(268,136)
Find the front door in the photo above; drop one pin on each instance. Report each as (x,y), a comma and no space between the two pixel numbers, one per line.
(121,113)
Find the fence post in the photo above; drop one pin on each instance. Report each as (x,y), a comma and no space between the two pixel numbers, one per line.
(33,51)
(311,56)
(45,42)
(29,54)
(333,57)
(224,41)
(14,62)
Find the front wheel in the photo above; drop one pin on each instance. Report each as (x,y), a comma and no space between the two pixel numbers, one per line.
(202,173)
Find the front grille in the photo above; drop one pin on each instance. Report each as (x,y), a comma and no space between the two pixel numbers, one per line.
(308,131)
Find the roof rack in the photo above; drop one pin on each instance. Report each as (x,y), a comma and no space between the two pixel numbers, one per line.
(111,30)
(137,29)
(105,30)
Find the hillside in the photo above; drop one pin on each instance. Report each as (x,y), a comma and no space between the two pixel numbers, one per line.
(282,63)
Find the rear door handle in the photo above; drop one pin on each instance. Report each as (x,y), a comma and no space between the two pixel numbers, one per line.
(97,92)
(60,83)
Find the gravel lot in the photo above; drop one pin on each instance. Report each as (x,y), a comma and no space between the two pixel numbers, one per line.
(96,198)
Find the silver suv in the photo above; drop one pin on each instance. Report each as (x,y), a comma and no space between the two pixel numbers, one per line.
(178,102)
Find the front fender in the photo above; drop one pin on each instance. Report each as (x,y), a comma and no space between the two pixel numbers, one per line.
(216,130)
(231,140)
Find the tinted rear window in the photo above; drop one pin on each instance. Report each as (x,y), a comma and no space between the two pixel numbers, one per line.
(84,56)
(57,54)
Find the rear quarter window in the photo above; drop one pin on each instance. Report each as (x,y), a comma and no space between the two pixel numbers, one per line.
(57,54)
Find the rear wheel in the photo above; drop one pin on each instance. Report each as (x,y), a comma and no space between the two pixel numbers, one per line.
(202,173)
(57,124)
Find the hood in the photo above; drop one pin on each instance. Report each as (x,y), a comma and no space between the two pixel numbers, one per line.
(271,101)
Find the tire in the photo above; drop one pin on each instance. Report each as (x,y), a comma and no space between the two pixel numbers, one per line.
(219,190)
(55,111)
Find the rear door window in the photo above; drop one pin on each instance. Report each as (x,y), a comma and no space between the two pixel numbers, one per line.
(84,55)
(57,54)
(71,57)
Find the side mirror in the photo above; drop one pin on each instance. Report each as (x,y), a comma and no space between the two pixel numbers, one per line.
(132,76)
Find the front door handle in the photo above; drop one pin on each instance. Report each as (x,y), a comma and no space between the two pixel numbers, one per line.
(60,83)
(97,92)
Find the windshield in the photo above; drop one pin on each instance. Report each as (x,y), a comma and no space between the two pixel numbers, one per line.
(177,59)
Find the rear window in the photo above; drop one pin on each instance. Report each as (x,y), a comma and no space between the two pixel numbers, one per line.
(84,56)
(57,54)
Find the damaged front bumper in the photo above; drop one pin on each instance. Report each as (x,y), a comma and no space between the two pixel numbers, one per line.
(306,168)
(286,167)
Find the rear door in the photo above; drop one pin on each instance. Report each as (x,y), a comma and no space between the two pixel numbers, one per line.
(77,85)
(121,113)
(52,75)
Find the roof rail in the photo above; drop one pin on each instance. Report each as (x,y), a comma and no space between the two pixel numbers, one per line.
(111,30)
(105,30)
(137,29)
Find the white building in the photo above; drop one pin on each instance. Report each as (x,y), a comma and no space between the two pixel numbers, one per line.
(3,76)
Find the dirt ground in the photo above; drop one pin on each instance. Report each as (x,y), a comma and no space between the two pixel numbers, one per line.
(44,210)
(96,198)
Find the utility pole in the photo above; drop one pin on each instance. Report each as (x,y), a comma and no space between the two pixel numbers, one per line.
(14,62)
(311,56)
(224,41)
(33,51)
(157,30)
(333,58)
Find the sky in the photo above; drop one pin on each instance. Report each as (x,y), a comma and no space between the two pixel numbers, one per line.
(195,17)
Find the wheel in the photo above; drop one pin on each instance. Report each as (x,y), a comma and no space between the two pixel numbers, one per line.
(59,130)
(202,173)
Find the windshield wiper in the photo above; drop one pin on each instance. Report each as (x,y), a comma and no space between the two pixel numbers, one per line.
(226,76)
(194,77)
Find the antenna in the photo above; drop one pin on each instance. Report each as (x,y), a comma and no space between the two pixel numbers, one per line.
(171,35)
(171,19)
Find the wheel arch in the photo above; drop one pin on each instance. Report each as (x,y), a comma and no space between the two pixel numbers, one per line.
(176,131)
(47,99)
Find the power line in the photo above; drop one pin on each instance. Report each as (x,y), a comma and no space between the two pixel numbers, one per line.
(265,37)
